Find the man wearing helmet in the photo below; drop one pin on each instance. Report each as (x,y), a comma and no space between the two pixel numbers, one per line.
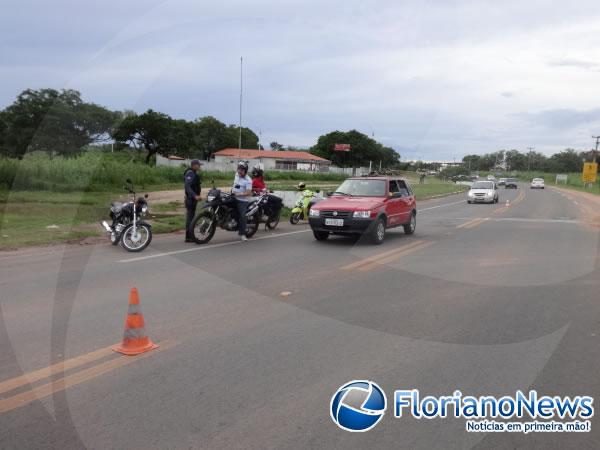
(242,188)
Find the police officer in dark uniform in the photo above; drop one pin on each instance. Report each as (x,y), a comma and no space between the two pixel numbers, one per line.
(192,195)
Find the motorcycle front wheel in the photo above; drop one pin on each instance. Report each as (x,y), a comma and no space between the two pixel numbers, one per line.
(136,240)
(203,227)
(252,225)
(295,218)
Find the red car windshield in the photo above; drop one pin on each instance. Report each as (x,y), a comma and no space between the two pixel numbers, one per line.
(362,188)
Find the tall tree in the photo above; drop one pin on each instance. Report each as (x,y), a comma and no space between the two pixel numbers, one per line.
(362,150)
(209,135)
(153,132)
(56,122)
(276,146)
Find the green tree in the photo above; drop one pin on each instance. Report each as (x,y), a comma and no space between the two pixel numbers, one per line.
(472,162)
(363,149)
(154,132)
(515,160)
(276,146)
(56,122)
(566,161)
(209,135)
(249,137)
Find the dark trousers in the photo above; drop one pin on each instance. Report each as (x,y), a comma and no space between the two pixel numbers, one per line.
(241,209)
(190,206)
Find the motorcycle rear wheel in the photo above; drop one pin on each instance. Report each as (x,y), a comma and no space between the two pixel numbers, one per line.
(204,227)
(272,222)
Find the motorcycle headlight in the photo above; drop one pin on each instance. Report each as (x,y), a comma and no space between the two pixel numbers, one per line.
(361,214)
(314,213)
(144,209)
(210,198)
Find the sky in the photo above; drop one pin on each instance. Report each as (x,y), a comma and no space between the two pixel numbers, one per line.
(434,79)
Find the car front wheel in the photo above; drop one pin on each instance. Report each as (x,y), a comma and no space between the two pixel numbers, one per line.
(320,235)
(377,234)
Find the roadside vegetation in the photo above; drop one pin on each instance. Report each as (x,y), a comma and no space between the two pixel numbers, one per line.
(47,199)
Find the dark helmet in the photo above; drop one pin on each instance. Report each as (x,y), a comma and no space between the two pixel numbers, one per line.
(243,165)
(301,186)
(256,172)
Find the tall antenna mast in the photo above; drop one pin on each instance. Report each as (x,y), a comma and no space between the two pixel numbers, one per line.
(241,91)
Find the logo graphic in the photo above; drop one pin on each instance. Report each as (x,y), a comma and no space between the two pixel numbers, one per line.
(358,405)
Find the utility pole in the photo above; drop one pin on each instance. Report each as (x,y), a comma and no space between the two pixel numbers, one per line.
(595,152)
(529,158)
(241,90)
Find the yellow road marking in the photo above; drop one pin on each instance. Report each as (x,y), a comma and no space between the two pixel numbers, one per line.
(24,398)
(62,366)
(380,262)
(469,222)
(372,258)
(477,222)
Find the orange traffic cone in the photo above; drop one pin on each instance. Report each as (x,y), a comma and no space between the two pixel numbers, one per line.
(135,340)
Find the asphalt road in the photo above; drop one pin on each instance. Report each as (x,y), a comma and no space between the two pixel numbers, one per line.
(487,299)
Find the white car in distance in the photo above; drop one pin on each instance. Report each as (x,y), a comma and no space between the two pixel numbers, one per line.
(537,183)
(483,192)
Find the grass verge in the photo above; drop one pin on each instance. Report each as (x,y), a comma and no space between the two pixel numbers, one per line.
(41,217)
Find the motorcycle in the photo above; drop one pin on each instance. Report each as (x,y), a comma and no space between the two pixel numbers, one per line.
(220,210)
(303,205)
(267,207)
(127,227)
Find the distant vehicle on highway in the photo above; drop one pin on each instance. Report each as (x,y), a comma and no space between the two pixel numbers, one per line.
(501,181)
(365,206)
(537,183)
(483,192)
(511,183)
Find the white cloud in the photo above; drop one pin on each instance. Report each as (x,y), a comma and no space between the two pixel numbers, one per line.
(436,78)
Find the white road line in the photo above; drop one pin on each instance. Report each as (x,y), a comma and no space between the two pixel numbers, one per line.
(439,206)
(514,219)
(206,247)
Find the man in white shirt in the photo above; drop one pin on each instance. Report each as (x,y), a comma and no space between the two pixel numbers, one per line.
(242,188)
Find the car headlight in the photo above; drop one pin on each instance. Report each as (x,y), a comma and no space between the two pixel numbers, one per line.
(471,194)
(362,214)
(489,194)
(314,213)
(210,198)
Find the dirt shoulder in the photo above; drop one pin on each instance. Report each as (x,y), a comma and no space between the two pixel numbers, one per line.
(588,204)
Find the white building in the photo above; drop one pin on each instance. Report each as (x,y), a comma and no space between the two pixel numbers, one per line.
(271,159)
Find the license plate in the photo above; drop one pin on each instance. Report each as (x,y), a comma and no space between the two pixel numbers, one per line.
(334,222)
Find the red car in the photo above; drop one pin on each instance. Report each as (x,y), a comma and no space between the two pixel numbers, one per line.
(365,205)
